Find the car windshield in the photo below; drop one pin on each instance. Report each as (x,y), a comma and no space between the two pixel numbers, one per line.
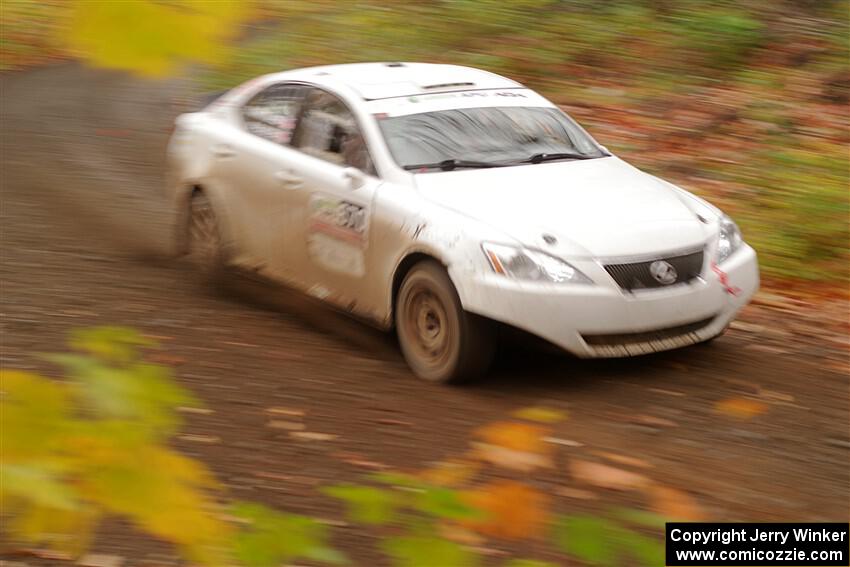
(481,137)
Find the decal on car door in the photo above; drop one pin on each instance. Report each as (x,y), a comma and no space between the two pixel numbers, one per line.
(337,234)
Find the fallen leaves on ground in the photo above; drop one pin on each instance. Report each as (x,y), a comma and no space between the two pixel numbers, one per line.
(675,504)
(540,414)
(606,476)
(312,436)
(653,421)
(286,425)
(513,435)
(623,459)
(167,359)
(450,473)
(512,445)
(740,408)
(668,392)
(358,460)
(285,411)
(577,493)
(774,396)
(563,442)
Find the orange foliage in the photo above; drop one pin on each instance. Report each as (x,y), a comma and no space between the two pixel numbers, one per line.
(513,510)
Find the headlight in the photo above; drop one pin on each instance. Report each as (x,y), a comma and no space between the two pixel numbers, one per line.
(524,264)
(729,239)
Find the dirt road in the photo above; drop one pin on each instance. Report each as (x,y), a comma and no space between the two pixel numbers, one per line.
(85,241)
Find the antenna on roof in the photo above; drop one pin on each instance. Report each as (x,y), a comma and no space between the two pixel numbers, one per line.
(395,64)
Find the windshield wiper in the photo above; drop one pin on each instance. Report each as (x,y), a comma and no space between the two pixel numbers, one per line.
(450,164)
(540,158)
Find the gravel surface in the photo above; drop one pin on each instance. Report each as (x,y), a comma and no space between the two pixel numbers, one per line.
(86,241)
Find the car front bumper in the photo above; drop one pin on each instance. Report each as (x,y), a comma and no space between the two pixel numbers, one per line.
(603,320)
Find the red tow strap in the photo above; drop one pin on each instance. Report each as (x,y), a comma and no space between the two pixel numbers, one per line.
(724,280)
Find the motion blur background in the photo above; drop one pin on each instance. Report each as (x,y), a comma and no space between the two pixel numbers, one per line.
(253,433)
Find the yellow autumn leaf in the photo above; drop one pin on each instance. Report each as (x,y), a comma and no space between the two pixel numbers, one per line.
(740,408)
(20,385)
(66,464)
(162,492)
(34,416)
(67,531)
(154,38)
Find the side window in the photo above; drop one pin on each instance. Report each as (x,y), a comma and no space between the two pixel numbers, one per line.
(273,112)
(327,130)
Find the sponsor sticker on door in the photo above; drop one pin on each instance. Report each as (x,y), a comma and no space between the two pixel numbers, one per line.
(337,234)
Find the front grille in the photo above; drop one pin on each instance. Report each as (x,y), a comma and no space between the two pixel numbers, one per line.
(637,275)
(619,339)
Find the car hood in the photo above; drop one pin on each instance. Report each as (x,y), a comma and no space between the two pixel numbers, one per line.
(600,207)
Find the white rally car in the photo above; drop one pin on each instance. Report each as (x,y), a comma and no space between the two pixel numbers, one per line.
(442,200)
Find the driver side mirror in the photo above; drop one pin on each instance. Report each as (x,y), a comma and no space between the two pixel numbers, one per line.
(356,178)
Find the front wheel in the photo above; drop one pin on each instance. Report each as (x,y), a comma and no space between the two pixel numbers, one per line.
(440,341)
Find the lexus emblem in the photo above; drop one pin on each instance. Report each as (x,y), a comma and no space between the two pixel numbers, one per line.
(663,272)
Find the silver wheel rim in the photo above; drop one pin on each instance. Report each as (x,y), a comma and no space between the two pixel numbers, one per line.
(427,326)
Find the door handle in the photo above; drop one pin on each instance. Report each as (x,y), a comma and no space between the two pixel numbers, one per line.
(288,179)
(354,177)
(223,151)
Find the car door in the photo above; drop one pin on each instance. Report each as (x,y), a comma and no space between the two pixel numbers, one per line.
(255,161)
(337,187)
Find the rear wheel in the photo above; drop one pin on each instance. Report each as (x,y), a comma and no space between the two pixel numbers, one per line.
(205,245)
(440,341)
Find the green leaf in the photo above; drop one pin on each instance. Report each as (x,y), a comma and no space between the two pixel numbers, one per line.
(428,552)
(366,504)
(587,538)
(399,479)
(142,392)
(271,538)
(640,518)
(445,503)
(601,541)
(648,551)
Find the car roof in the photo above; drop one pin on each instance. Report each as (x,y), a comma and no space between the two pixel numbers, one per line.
(373,81)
